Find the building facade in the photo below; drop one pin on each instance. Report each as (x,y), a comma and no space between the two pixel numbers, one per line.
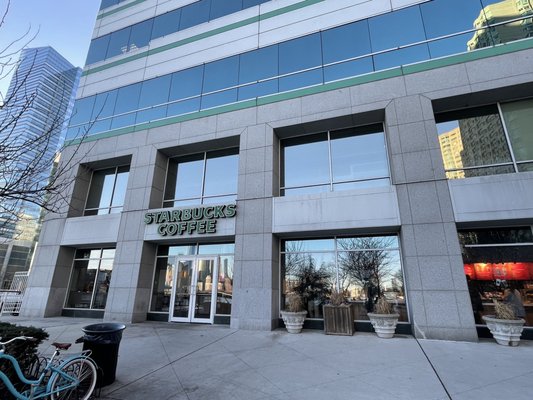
(237,151)
(33,117)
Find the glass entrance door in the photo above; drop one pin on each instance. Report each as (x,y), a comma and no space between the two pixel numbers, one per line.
(194,295)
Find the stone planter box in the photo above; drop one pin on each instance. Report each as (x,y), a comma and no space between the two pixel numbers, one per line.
(338,320)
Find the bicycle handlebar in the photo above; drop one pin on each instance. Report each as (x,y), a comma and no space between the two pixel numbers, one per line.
(31,339)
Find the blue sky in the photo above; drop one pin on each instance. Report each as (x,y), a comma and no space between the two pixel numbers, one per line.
(66,25)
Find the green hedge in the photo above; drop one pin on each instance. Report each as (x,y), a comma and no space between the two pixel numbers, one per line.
(24,351)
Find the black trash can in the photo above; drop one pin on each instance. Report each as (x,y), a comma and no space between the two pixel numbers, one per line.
(103,340)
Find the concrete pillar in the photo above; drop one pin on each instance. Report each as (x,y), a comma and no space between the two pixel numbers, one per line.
(437,292)
(256,279)
(131,282)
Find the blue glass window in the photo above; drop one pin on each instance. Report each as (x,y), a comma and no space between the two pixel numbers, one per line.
(396,29)
(441,18)
(108,3)
(155,91)
(258,64)
(140,34)
(346,41)
(194,14)
(348,69)
(301,53)
(298,54)
(186,83)
(104,104)
(98,49)
(219,8)
(219,98)
(118,42)
(127,98)
(221,74)
(251,3)
(82,110)
(401,57)
(166,24)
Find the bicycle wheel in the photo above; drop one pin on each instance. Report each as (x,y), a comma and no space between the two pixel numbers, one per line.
(85,372)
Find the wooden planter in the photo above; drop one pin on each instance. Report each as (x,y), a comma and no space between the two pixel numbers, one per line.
(338,320)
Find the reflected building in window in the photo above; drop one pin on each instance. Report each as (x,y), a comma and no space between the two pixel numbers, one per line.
(501,31)
(451,146)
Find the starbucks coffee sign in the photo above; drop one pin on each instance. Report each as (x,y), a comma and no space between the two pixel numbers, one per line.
(198,220)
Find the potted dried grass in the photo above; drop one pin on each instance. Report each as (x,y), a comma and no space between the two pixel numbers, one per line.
(384,319)
(338,316)
(505,327)
(294,314)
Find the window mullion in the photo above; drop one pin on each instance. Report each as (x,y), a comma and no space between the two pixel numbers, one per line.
(203,179)
(330,164)
(113,191)
(509,145)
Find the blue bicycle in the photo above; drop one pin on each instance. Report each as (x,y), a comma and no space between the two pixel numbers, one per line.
(73,378)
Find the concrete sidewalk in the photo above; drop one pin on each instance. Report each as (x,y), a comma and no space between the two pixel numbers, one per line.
(191,362)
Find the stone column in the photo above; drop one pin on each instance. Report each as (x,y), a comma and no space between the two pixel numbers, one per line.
(437,292)
(256,276)
(133,267)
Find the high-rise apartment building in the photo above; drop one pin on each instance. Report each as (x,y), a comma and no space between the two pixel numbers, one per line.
(32,121)
(240,150)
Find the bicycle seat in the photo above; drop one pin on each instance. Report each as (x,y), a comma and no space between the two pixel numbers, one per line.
(61,346)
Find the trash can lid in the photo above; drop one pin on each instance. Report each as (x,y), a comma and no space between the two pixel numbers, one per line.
(105,327)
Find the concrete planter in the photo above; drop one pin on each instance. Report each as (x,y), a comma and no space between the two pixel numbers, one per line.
(294,321)
(338,320)
(384,324)
(506,332)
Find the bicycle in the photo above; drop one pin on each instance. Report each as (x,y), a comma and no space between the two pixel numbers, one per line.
(71,378)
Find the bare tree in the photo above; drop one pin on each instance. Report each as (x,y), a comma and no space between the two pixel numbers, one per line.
(27,160)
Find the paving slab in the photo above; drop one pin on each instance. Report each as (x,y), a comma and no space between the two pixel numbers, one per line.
(199,362)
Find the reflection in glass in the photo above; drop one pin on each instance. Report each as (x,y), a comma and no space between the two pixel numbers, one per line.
(397,28)
(498,262)
(180,308)
(202,178)
(225,285)
(305,162)
(312,275)
(364,268)
(184,180)
(140,35)
(90,278)
(358,157)
(299,54)
(163,283)
(166,24)
(107,191)
(336,160)
(473,138)
(221,175)
(518,117)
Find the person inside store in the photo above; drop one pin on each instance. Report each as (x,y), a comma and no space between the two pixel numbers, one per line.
(512,297)
(475,298)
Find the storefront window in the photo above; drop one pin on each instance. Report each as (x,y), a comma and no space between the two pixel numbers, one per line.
(363,268)
(204,178)
(496,260)
(90,278)
(166,266)
(488,140)
(335,160)
(108,190)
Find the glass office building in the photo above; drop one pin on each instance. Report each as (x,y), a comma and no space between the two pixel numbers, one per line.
(241,150)
(33,121)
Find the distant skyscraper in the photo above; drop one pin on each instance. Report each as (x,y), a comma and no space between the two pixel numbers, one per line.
(39,99)
(45,82)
